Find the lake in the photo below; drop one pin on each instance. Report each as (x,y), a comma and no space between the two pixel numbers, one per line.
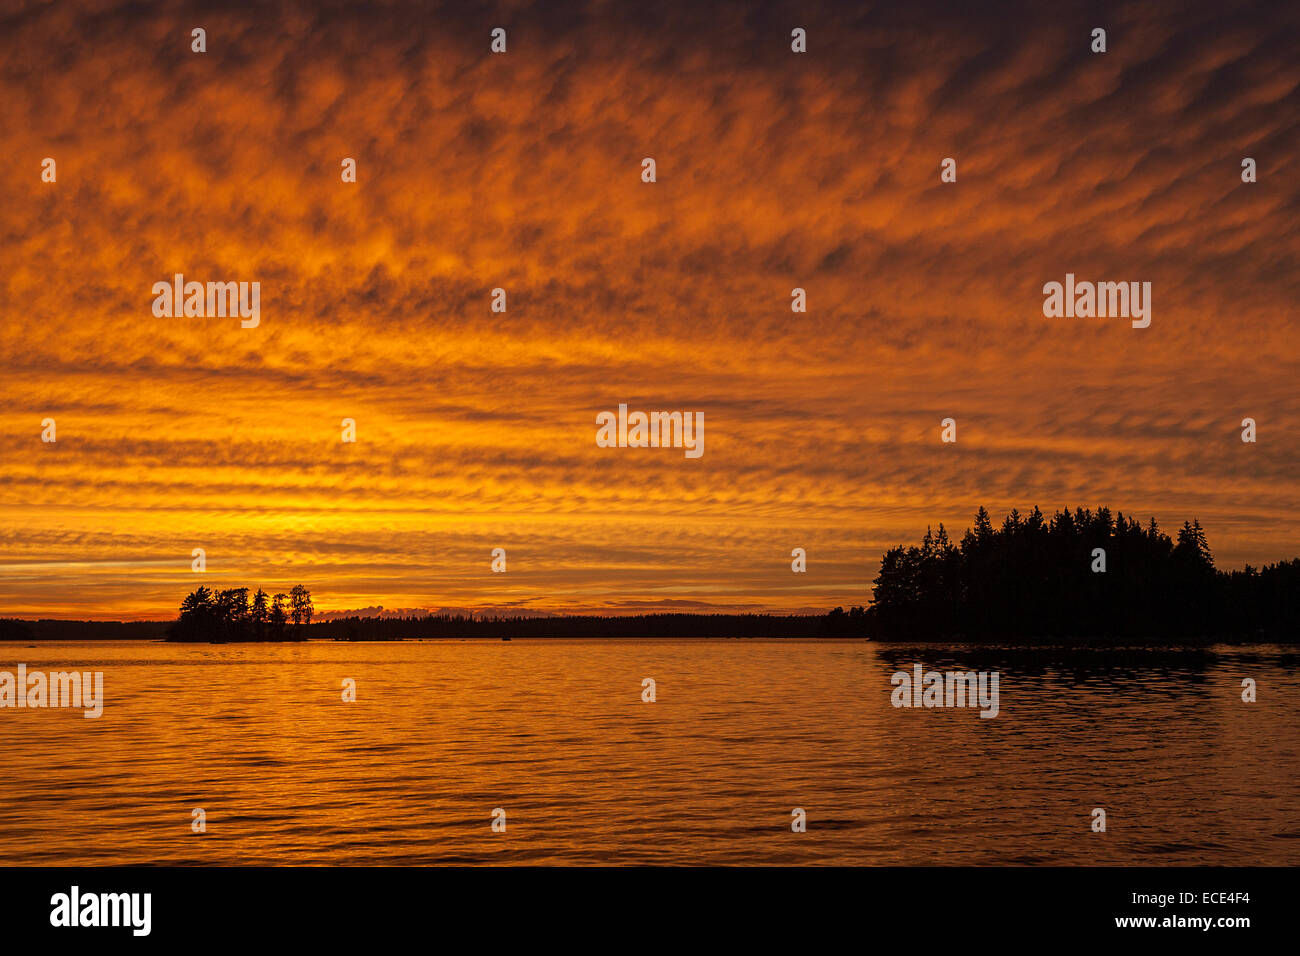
(555,733)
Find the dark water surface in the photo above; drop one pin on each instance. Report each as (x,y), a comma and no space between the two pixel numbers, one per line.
(742,732)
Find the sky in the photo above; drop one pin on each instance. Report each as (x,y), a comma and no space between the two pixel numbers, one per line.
(523,171)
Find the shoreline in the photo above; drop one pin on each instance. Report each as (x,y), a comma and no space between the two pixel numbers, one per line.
(1044,644)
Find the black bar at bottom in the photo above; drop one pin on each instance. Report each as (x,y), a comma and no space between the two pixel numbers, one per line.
(616,907)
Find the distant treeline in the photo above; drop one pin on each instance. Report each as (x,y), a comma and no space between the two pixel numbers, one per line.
(447,626)
(12,629)
(576,626)
(1037,577)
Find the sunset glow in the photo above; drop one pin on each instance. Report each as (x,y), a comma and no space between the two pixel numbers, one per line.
(477,430)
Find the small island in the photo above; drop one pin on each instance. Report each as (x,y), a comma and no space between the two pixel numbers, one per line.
(220,617)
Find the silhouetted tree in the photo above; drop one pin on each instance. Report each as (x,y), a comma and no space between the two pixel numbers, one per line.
(233,613)
(198,620)
(260,615)
(300,607)
(278,618)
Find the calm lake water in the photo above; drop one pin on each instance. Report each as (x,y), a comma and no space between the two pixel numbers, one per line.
(556,734)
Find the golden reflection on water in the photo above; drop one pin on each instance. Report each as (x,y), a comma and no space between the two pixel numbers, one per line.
(556,734)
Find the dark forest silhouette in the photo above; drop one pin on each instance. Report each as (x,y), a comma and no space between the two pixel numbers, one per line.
(221,616)
(1033,578)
